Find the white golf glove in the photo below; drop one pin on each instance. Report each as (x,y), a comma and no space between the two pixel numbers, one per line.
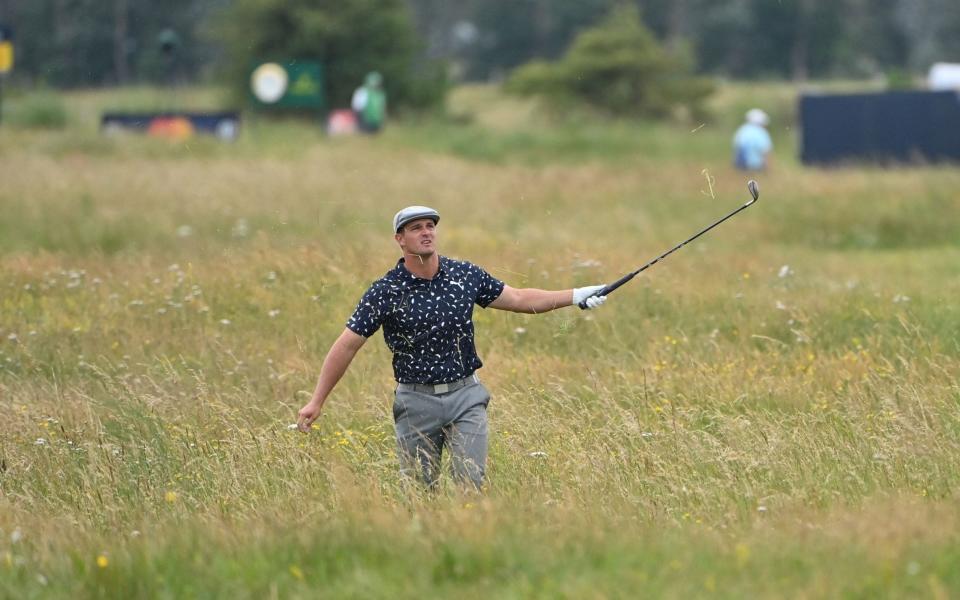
(579,294)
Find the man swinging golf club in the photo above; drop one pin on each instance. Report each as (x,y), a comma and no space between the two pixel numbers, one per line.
(425,306)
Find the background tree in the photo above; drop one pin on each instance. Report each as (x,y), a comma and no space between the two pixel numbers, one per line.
(618,68)
(71,43)
(348,38)
(67,43)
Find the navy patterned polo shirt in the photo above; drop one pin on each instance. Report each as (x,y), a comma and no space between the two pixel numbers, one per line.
(427,323)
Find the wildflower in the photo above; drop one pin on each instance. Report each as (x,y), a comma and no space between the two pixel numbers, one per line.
(273,313)
(224,321)
(240,229)
(296,572)
(520,331)
(16,536)
(102,562)
(742,552)
(785,270)
(170,497)
(538,454)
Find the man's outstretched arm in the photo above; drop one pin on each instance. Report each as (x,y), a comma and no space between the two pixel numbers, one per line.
(334,366)
(533,300)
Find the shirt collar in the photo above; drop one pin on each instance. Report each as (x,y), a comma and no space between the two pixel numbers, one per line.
(401,273)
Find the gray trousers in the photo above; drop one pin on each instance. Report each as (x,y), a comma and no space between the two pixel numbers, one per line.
(427,422)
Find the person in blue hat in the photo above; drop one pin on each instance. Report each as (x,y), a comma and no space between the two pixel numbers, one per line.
(425,306)
(752,143)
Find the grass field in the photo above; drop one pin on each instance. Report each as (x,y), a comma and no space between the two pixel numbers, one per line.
(772,412)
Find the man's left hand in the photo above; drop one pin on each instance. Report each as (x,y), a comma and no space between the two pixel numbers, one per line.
(586,293)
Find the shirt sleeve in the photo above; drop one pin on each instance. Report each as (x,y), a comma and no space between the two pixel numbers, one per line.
(766,144)
(359,99)
(489,287)
(368,316)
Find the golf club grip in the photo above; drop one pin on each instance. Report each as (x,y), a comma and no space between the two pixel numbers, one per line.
(607,289)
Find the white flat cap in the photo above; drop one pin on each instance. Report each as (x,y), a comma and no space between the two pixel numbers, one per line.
(412,213)
(757,117)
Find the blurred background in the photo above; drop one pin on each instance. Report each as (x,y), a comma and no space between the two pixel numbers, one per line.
(89,43)
(424,48)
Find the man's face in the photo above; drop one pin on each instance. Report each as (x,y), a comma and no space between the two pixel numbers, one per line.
(418,237)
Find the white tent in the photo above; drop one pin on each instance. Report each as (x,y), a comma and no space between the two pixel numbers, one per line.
(944,77)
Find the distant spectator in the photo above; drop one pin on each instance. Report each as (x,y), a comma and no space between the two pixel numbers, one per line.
(370,103)
(752,143)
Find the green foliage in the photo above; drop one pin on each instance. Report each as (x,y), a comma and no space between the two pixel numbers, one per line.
(43,110)
(84,43)
(618,68)
(900,79)
(348,38)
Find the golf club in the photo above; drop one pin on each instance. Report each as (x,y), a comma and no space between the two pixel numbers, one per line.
(754,194)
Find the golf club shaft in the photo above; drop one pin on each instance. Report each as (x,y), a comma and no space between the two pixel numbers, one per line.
(611,287)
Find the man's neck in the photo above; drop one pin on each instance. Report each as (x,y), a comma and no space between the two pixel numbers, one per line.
(424,268)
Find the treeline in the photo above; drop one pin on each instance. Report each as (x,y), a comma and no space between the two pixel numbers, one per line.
(67,43)
(72,43)
(790,39)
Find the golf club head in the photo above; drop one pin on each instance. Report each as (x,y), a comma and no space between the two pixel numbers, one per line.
(754,189)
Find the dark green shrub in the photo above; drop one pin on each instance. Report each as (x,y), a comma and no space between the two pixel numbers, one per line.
(617,68)
(348,38)
(44,110)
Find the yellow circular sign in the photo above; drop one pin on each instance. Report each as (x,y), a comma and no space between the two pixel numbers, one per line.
(269,82)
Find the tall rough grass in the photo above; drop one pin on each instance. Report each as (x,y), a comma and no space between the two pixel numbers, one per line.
(773,411)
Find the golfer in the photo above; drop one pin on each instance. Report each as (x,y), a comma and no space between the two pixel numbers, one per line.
(425,305)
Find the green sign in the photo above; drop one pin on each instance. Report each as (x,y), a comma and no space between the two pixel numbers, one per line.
(295,84)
